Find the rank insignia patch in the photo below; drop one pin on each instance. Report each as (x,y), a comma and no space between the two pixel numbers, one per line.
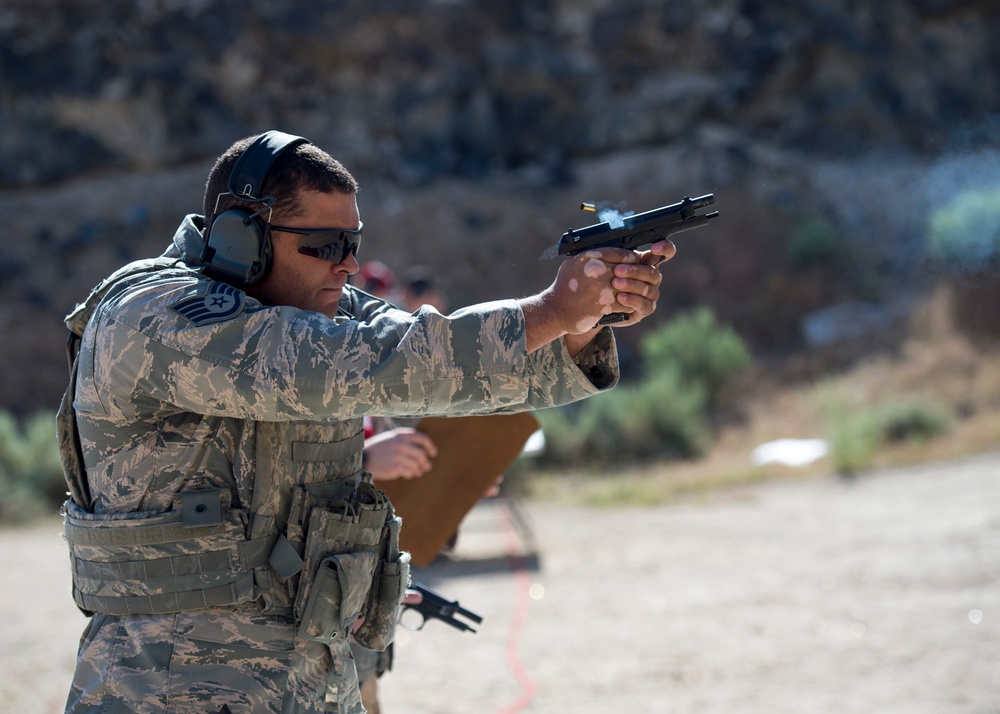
(220,303)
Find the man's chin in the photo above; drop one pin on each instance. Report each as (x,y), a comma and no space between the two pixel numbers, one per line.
(329,301)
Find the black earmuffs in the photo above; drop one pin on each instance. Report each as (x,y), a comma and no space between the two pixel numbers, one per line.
(238,244)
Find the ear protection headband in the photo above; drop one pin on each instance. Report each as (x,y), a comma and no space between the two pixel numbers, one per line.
(238,243)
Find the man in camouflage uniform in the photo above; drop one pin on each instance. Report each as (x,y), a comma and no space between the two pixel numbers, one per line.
(223,534)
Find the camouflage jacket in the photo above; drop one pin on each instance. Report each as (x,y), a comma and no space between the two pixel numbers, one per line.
(167,349)
(190,395)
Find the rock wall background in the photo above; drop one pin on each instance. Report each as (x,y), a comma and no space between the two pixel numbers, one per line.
(477,127)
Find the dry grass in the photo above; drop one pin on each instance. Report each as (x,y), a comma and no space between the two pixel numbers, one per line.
(933,363)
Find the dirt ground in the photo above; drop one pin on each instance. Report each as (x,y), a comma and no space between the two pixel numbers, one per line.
(878,594)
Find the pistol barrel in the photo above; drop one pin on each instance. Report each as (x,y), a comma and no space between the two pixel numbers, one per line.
(640,229)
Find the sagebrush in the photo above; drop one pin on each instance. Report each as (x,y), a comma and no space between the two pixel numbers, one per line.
(686,365)
(31,478)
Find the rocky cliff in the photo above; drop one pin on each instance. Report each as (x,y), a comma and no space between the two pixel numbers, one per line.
(476,127)
(467,87)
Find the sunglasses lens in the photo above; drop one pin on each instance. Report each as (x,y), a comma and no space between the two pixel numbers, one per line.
(331,246)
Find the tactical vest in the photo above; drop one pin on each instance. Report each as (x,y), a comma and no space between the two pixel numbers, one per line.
(318,542)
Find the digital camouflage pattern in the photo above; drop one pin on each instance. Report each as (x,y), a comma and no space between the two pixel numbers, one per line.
(186,386)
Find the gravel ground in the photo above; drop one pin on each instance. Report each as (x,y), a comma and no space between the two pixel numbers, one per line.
(878,594)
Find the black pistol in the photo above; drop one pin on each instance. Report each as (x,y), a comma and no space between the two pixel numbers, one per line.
(437,607)
(638,230)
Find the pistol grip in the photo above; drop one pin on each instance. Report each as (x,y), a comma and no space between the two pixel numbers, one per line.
(612,318)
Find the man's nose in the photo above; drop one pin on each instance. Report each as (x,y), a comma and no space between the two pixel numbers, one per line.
(349,265)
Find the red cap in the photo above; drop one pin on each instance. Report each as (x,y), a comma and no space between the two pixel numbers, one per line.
(376,277)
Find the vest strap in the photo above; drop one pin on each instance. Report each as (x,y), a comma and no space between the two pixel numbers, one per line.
(240,590)
(153,534)
(240,556)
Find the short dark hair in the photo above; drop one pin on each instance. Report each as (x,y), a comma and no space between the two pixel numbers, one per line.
(304,166)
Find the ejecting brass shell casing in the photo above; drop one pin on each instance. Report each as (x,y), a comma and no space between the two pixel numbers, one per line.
(588,207)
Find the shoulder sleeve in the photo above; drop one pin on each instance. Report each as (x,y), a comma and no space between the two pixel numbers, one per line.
(185,345)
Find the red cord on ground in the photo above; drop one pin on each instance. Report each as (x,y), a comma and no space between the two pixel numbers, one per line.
(521,583)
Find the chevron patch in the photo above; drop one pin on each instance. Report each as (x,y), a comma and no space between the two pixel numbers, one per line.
(220,303)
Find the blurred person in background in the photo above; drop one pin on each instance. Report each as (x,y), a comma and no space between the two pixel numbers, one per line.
(376,278)
(419,286)
(392,450)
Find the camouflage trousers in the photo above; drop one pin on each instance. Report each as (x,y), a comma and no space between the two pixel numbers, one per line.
(229,659)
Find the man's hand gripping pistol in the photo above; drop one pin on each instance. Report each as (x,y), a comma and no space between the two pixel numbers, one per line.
(636,231)
(433,605)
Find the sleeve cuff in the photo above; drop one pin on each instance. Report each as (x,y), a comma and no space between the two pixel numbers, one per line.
(599,360)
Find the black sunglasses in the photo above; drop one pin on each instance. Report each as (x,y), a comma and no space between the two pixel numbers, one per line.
(330,244)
